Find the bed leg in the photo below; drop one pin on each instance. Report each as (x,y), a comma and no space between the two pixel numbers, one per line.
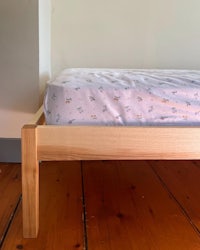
(30,182)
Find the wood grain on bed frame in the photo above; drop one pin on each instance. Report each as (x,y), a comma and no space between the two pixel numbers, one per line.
(46,142)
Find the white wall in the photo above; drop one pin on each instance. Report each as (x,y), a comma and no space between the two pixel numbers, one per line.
(125,34)
(19,72)
(24,61)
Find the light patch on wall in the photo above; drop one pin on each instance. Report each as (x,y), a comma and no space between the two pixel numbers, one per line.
(44,44)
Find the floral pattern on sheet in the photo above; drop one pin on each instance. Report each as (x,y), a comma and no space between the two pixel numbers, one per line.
(123,97)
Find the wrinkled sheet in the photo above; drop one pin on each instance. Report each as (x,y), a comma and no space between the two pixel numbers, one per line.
(123,97)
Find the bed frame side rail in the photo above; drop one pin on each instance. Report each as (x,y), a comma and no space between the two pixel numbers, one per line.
(117,143)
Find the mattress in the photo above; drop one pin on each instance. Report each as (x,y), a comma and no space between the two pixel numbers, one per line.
(123,97)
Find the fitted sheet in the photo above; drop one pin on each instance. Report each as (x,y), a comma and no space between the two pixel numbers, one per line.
(123,97)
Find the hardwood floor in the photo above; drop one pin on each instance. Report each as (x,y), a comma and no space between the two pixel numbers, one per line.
(106,205)
(10,195)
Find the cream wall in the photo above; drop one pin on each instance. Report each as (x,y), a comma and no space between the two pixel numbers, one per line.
(24,61)
(125,34)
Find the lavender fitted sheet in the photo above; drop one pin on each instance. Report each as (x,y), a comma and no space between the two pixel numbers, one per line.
(123,97)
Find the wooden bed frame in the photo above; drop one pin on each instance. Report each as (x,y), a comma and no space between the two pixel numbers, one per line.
(42,142)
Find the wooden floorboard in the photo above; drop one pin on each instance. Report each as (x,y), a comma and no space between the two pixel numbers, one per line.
(130,205)
(128,208)
(182,179)
(10,192)
(61,225)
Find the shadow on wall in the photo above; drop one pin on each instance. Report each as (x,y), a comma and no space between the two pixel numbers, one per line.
(26,97)
(19,55)
(44,78)
(20,103)
(19,97)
